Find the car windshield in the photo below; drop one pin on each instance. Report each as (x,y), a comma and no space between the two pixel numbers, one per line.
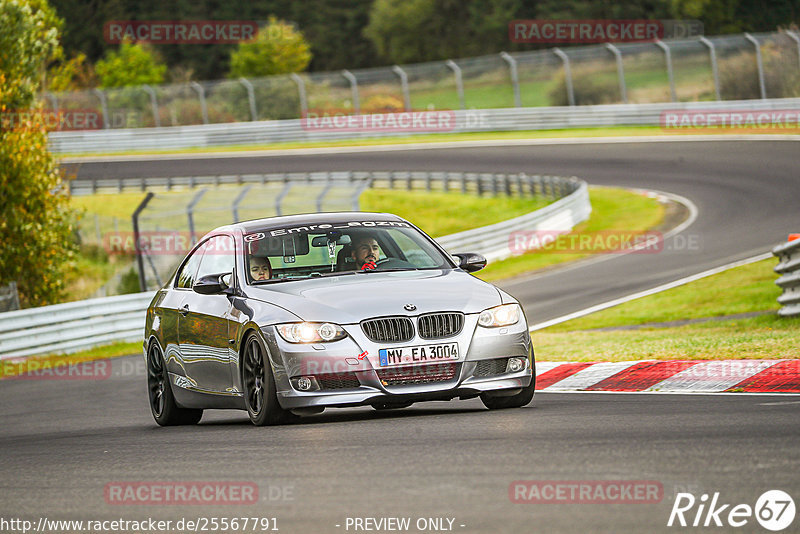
(333,249)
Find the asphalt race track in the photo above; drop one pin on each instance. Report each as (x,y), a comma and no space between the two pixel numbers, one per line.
(63,441)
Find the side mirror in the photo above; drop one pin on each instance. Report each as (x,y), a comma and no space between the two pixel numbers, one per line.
(212,284)
(470,261)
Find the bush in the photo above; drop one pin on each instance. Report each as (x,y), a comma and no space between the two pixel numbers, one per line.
(36,224)
(129,282)
(590,86)
(738,75)
(132,64)
(277,49)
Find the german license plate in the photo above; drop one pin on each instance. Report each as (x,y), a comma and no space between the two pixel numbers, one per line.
(418,354)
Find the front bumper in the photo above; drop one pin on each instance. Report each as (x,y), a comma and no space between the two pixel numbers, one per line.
(361,380)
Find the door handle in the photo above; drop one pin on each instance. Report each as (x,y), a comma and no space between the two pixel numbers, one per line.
(185,310)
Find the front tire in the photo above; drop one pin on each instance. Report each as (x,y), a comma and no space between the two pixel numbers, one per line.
(259,386)
(162,403)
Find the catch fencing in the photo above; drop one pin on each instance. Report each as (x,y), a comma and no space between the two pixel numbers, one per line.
(789,269)
(729,67)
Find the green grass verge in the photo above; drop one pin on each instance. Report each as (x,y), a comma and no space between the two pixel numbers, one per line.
(440,214)
(750,288)
(764,337)
(613,209)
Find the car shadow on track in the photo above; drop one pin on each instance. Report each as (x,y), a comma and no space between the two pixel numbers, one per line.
(355,415)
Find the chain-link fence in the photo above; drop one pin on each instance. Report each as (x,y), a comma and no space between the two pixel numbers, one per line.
(732,67)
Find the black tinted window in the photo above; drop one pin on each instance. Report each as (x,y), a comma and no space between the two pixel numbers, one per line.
(186,276)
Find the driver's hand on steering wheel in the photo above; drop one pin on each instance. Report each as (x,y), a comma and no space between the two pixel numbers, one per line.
(368,266)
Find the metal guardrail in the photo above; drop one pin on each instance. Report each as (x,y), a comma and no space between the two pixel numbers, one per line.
(72,326)
(84,324)
(789,269)
(488,120)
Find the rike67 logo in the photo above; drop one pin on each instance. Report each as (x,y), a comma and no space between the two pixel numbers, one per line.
(774,510)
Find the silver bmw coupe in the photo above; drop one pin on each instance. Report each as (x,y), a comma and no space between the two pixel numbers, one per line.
(287,316)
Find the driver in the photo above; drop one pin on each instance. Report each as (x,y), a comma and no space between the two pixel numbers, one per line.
(365,252)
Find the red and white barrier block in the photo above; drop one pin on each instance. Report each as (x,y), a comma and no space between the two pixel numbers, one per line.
(673,376)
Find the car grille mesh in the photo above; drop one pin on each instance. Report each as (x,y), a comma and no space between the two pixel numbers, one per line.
(420,374)
(493,367)
(388,329)
(439,325)
(337,381)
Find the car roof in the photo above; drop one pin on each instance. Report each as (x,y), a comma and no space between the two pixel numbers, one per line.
(247,227)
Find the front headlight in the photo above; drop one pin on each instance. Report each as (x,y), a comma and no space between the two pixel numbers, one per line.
(310,332)
(504,315)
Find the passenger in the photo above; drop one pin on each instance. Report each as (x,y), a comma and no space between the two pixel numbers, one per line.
(260,268)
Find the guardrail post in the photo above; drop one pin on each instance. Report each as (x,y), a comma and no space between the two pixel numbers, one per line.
(190,213)
(567,75)
(153,104)
(353,90)
(301,92)
(793,36)
(712,53)
(520,192)
(463,183)
(103,106)
(287,185)
(251,98)
(238,200)
(201,95)
(623,90)
(53,101)
(404,84)
(446,182)
(135,220)
(427,181)
(409,182)
(512,67)
(668,57)
(459,81)
(365,184)
(321,196)
(759,64)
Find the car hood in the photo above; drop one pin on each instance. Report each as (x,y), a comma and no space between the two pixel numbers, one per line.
(352,298)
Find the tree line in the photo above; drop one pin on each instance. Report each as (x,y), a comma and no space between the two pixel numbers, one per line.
(370,33)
